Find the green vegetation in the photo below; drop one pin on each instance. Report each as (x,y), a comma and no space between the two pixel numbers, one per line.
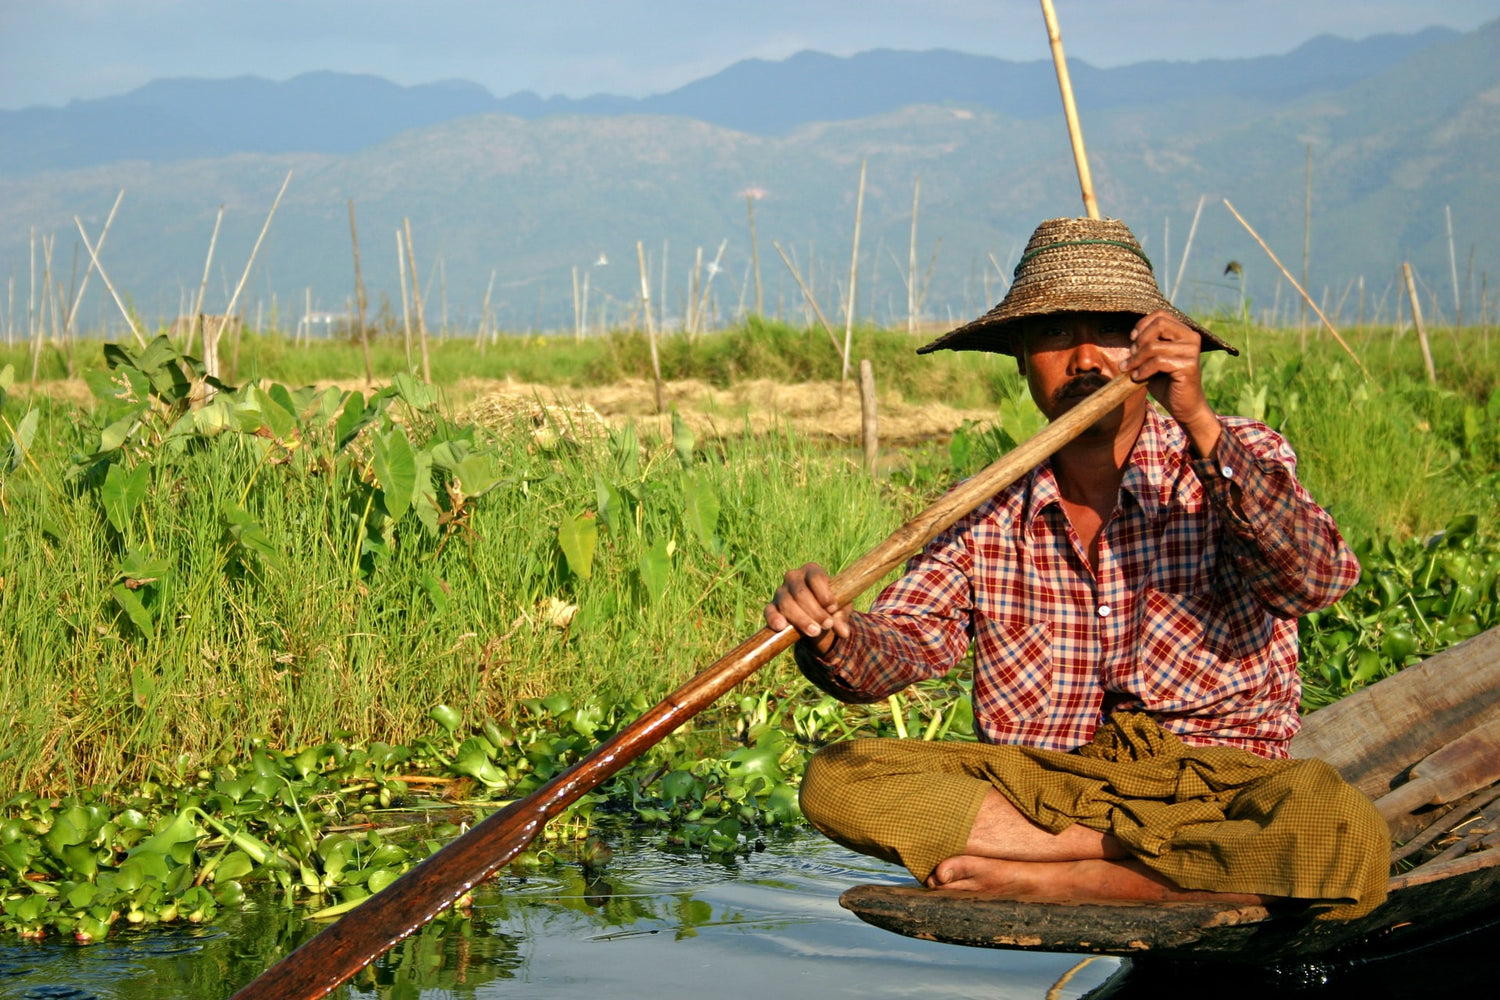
(228,624)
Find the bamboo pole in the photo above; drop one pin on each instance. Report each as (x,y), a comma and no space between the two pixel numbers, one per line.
(1306,249)
(859,209)
(1070,110)
(1187,247)
(405,304)
(1458,305)
(868,430)
(235,298)
(911,262)
(104,277)
(416,301)
(196,317)
(83,286)
(808,295)
(577,316)
(760,302)
(359,298)
(1300,290)
(640,256)
(1416,316)
(319,966)
(41,326)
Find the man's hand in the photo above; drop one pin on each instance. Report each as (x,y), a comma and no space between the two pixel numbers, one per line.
(805,601)
(1164,352)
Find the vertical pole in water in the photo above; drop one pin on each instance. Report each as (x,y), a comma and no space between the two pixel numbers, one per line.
(1075,132)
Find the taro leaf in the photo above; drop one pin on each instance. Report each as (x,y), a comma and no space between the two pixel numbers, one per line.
(121,492)
(608,500)
(156,354)
(328,405)
(134,609)
(476,475)
(282,397)
(424,499)
(280,423)
(682,439)
(577,535)
(142,684)
(7,379)
(118,356)
(627,451)
(247,533)
(117,433)
(418,395)
(656,568)
(351,421)
(396,470)
(214,418)
(702,511)
(20,442)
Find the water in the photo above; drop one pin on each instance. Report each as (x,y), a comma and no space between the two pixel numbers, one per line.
(647,924)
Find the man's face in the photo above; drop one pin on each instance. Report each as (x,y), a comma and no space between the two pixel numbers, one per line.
(1067,356)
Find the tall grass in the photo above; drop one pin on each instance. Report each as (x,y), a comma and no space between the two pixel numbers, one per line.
(326,636)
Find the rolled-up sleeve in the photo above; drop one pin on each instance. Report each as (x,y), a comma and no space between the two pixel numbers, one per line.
(918,627)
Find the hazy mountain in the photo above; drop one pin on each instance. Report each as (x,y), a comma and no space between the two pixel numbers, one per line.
(171,120)
(530,200)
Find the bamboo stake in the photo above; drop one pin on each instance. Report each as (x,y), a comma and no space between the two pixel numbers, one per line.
(484,312)
(911,262)
(640,256)
(868,431)
(83,286)
(760,302)
(416,301)
(382,920)
(808,295)
(1187,247)
(859,208)
(1416,316)
(708,284)
(359,297)
(695,281)
(196,319)
(405,304)
(1306,249)
(577,316)
(1458,305)
(234,299)
(104,277)
(1300,290)
(1070,110)
(41,327)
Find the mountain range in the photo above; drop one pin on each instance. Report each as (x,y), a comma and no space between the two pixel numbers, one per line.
(528,189)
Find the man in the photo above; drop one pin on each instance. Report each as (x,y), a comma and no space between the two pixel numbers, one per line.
(1132,604)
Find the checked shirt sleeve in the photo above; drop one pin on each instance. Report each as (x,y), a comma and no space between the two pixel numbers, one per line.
(1282,543)
(917,628)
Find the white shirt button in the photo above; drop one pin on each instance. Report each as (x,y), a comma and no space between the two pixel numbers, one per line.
(1104,610)
(1228,472)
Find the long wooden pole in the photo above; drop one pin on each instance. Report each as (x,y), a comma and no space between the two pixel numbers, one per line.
(1075,132)
(1300,290)
(640,256)
(1416,316)
(359,297)
(859,209)
(321,964)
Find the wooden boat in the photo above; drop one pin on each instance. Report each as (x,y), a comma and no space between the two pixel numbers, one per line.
(1446,859)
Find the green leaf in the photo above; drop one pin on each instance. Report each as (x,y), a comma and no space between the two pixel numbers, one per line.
(122,492)
(608,500)
(577,535)
(245,532)
(418,395)
(117,433)
(682,439)
(20,442)
(134,609)
(477,475)
(396,471)
(656,569)
(351,420)
(702,512)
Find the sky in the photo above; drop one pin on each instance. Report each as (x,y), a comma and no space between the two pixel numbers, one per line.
(53,51)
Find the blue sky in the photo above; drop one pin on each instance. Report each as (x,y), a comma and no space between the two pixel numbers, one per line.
(52,51)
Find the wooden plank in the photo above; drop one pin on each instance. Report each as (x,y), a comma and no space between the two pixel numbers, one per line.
(1373,736)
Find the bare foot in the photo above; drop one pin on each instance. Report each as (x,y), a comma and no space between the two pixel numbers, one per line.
(1091,879)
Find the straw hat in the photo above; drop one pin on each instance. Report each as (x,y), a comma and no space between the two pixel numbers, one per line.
(1071,265)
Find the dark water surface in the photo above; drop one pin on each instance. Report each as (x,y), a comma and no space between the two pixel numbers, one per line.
(645,924)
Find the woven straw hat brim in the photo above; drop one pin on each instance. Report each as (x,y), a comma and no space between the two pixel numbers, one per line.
(1071,265)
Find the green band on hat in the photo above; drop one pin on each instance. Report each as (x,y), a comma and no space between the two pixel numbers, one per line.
(1025,258)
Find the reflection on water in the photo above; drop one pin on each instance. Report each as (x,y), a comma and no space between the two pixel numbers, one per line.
(647,923)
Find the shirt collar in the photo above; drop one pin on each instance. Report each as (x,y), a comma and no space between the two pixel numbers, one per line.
(1156,462)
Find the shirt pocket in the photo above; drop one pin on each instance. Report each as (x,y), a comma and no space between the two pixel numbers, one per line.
(1013,682)
(1192,654)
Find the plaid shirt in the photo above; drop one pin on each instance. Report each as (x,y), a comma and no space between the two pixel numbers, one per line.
(1203,568)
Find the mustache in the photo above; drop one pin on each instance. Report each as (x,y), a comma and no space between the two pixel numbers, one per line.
(1080,386)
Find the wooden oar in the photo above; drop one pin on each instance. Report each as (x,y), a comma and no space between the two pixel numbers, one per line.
(1469,762)
(321,964)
